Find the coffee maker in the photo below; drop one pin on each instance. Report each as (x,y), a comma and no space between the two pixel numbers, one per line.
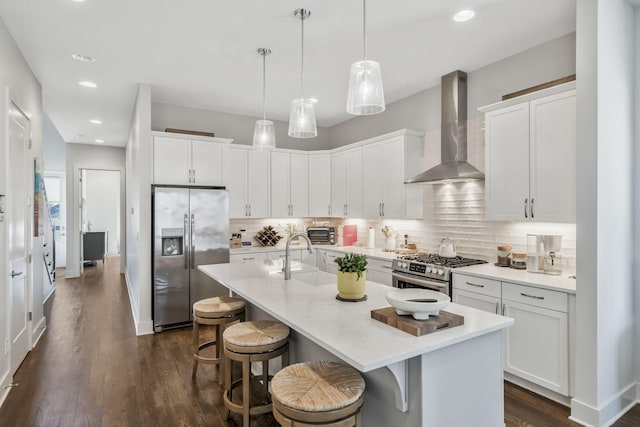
(552,262)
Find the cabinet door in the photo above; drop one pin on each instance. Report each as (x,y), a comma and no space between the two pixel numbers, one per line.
(258,183)
(536,346)
(299,184)
(392,170)
(553,158)
(319,185)
(381,277)
(338,184)
(280,184)
(207,160)
(171,161)
(479,301)
(354,189)
(371,167)
(507,163)
(237,182)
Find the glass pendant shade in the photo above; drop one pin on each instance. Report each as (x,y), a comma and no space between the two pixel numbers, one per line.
(264,135)
(366,95)
(302,119)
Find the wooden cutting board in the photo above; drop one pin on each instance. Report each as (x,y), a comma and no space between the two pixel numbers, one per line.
(415,327)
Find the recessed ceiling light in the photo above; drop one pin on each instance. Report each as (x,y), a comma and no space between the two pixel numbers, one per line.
(95,121)
(99,141)
(88,84)
(83,58)
(464,15)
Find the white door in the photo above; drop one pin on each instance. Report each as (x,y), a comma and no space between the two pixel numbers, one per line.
(207,163)
(354,190)
(18,235)
(319,186)
(280,185)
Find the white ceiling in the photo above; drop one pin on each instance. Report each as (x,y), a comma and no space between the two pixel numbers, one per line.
(202,53)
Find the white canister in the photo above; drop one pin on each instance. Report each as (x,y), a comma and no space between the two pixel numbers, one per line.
(389,243)
(371,239)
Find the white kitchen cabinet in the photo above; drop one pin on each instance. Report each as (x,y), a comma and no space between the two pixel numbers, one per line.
(295,254)
(483,294)
(325,260)
(319,186)
(481,302)
(321,259)
(386,165)
(248,182)
(536,347)
(379,271)
(181,161)
(249,256)
(289,184)
(347,183)
(530,157)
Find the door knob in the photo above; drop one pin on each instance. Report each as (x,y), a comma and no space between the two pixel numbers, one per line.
(14,274)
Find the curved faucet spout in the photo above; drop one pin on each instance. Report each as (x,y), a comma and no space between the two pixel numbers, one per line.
(287,259)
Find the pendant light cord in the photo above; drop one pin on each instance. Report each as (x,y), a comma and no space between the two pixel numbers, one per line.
(302,56)
(264,85)
(364,29)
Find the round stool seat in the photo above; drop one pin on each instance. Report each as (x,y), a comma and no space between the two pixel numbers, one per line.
(259,335)
(215,307)
(317,386)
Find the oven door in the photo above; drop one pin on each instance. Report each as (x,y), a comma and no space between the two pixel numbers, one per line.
(404,280)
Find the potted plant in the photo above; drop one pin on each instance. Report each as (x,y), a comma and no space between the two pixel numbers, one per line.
(352,276)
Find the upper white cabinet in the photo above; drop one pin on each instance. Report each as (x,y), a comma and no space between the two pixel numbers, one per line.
(346,183)
(531,157)
(387,163)
(182,161)
(289,184)
(319,185)
(248,182)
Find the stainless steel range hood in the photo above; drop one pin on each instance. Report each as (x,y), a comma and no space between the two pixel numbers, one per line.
(453,166)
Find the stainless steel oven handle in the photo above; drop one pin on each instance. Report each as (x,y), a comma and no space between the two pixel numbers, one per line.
(417,281)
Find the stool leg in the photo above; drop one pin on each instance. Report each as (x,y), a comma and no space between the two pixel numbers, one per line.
(246,391)
(285,357)
(265,379)
(219,350)
(196,344)
(228,382)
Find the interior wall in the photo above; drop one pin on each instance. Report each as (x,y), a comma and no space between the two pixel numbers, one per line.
(81,156)
(605,305)
(636,252)
(102,205)
(228,125)
(54,155)
(17,83)
(138,206)
(485,85)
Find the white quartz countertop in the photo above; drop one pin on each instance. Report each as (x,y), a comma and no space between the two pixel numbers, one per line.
(562,282)
(373,253)
(308,305)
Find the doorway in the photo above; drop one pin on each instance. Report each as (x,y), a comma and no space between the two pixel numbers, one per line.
(100,221)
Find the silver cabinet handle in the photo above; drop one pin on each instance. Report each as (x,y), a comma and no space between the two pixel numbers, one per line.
(185,250)
(383,209)
(526,203)
(193,241)
(531,208)
(249,258)
(379,209)
(530,296)
(194,176)
(475,284)
(504,306)
(386,266)
(14,274)
(329,209)
(345,209)
(250,210)
(497,307)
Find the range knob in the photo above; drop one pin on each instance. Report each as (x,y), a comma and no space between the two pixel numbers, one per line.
(440,271)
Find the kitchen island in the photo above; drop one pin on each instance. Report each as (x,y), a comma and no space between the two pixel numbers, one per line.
(447,378)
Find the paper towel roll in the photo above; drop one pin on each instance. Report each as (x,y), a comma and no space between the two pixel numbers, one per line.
(371,240)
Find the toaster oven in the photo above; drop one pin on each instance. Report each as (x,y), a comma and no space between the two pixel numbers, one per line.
(322,235)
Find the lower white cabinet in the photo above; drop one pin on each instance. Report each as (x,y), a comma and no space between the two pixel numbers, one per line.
(379,271)
(251,256)
(536,347)
(481,302)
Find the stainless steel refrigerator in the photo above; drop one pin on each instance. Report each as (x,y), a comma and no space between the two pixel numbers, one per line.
(191,227)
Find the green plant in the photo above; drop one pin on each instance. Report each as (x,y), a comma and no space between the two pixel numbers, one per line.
(352,263)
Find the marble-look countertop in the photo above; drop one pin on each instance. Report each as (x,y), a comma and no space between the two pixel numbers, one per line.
(563,282)
(308,305)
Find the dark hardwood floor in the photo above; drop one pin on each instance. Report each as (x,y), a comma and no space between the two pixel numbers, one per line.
(90,369)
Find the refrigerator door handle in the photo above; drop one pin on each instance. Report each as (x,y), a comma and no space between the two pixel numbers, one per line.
(193,243)
(185,249)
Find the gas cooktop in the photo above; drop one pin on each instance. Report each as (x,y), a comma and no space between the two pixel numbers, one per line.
(431,266)
(443,261)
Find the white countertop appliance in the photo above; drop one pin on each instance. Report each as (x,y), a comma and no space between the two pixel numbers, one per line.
(429,271)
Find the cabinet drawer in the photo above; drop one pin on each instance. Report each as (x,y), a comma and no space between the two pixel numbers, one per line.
(478,285)
(380,277)
(379,265)
(538,297)
(254,256)
(296,254)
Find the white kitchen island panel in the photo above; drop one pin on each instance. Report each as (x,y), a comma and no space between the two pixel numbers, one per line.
(326,327)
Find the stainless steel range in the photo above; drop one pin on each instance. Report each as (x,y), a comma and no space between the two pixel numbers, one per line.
(428,271)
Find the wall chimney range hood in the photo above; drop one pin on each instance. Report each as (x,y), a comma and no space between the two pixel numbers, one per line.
(453,166)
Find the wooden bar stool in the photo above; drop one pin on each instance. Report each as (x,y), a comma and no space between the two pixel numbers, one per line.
(218,312)
(318,394)
(247,342)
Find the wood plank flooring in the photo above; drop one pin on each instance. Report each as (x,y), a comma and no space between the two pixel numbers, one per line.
(90,369)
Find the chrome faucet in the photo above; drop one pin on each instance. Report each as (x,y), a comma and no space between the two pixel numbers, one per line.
(287,253)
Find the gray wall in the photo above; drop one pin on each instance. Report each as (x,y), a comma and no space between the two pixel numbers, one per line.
(54,149)
(486,85)
(228,125)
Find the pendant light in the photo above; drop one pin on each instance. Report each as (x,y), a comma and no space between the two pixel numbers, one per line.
(264,133)
(366,95)
(302,118)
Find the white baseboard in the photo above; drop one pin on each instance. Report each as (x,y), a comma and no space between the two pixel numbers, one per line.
(144,327)
(53,289)
(71,274)
(4,392)
(38,332)
(587,415)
